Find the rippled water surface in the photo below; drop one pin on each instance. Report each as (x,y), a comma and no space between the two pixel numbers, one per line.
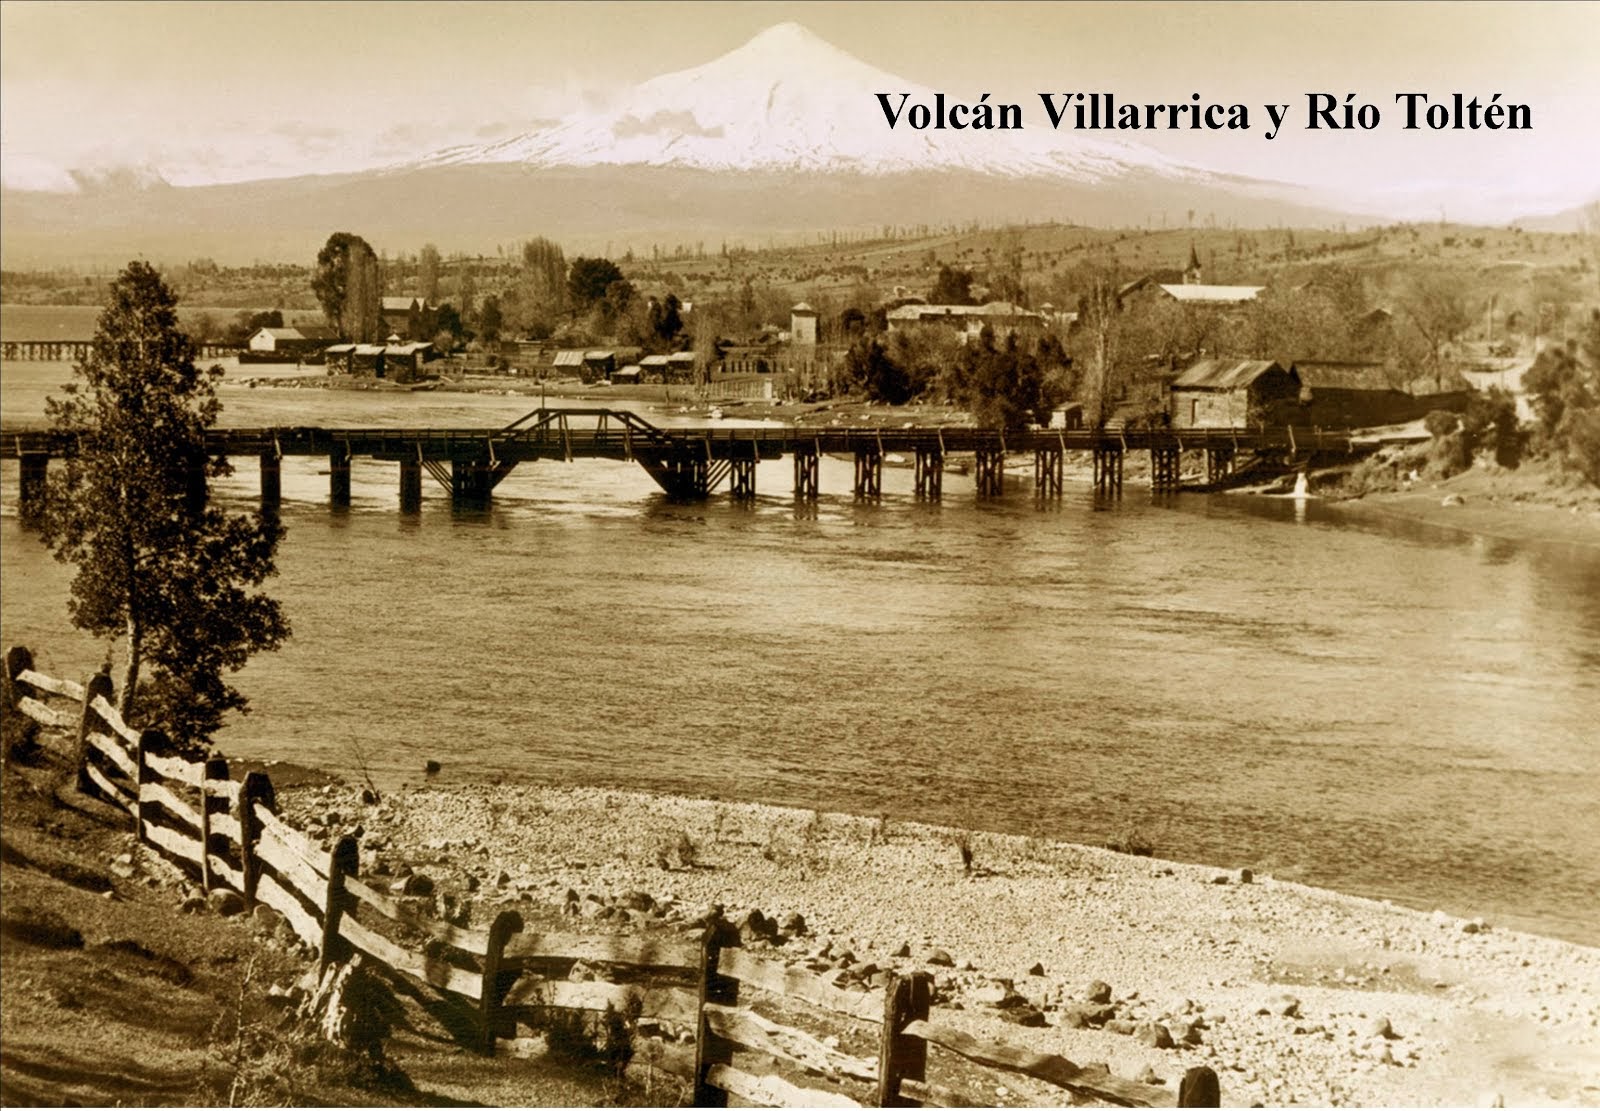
(1389,710)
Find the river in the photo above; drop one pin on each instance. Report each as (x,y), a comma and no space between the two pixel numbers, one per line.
(1380,708)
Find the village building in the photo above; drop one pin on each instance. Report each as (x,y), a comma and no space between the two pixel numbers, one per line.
(304,343)
(967,321)
(1232,393)
(1187,293)
(410,318)
(803,325)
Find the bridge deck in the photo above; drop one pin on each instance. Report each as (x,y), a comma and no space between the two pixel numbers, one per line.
(614,434)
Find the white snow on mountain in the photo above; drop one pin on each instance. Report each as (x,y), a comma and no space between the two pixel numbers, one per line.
(789,100)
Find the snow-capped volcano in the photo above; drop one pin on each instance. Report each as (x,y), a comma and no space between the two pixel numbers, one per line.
(789,100)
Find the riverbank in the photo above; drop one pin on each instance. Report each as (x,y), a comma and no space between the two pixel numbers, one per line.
(1534,502)
(1293,994)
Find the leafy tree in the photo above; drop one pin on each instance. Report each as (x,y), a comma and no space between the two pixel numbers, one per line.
(588,279)
(348,286)
(870,368)
(1491,422)
(1435,304)
(540,290)
(953,286)
(158,568)
(490,320)
(1004,384)
(428,273)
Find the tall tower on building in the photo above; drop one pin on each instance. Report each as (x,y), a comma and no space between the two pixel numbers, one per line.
(1191,273)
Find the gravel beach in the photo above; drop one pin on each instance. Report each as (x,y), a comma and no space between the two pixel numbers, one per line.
(1295,995)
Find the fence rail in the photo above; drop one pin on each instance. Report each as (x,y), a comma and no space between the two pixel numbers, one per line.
(229,835)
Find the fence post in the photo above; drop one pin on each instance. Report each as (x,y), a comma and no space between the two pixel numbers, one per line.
(151,742)
(18,660)
(906,1000)
(713,989)
(98,685)
(1199,1088)
(343,860)
(215,768)
(506,923)
(256,788)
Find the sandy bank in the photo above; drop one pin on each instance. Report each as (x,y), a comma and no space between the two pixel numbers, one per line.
(1530,503)
(1294,994)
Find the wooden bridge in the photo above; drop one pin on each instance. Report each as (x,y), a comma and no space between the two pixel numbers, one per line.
(57,350)
(690,462)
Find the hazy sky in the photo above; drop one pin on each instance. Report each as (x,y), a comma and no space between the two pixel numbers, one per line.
(241,90)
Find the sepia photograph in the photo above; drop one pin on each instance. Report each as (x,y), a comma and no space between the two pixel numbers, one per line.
(789,554)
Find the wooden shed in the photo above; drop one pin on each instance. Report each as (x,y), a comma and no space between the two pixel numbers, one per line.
(1231,393)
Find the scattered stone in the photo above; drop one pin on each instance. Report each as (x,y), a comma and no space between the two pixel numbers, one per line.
(432,767)
(1155,1035)
(417,883)
(938,957)
(1025,1014)
(1246,875)
(1147,1075)
(1474,926)
(369,797)
(793,924)
(1287,1006)
(1219,879)
(194,904)
(638,900)
(472,882)
(903,951)
(226,903)
(1036,969)
(1097,991)
(1380,1028)
(1121,1026)
(1450,500)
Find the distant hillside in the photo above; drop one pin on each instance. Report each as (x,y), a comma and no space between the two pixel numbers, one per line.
(476,207)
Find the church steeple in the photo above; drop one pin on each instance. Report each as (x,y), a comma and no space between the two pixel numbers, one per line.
(1191,273)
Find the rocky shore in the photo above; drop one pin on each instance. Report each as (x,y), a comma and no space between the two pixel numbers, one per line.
(1293,994)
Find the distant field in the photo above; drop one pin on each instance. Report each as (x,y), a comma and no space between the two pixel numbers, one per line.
(67,322)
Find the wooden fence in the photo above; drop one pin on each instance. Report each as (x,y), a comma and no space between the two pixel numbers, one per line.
(701,987)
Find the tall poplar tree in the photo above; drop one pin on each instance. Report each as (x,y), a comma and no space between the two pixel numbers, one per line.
(349,287)
(159,570)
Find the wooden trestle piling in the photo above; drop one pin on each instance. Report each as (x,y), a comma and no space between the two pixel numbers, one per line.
(929,473)
(411,485)
(35,472)
(339,476)
(1164,468)
(1049,471)
(989,466)
(805,473)
(1108,469)
(1219,464)
(869,473)
(271,480)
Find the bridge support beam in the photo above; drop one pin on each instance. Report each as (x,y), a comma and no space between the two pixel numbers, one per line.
(339,477)
(869,474)
(990,466)
(929,471)
(1219,464)
(1164,468)
(411,486)
(271,481)
(742,479)
(35,472)
(806,482)
(1108,470)
(1049,469)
